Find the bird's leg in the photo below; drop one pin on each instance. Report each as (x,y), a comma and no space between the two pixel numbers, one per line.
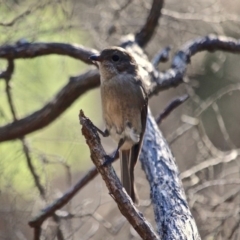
(110,159)
(104,133)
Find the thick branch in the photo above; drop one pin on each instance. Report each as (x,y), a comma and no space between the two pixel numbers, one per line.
(174,76)
(172,214)
(32,50)
(148,29)
(113,183)
(41,118)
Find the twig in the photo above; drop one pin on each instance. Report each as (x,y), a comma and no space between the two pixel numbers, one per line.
(113,184)
(231,156)
(222,126)
(14,20)
(32,169)
(174,76)
(170,107)
(37,233)
(36,178)
(212,183)
(162,56)
(65,198)
(200,17)
(23,14)
(147,31)
(62,201)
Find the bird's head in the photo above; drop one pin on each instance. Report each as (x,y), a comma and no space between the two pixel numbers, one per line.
(113,61)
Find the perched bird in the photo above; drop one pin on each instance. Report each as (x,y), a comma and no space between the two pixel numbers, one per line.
(124,106)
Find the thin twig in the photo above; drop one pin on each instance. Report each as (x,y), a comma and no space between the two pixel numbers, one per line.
(170,107)
(231,156)
(48,113)
(62,201)
(220,18)
(162,56)
(26,151)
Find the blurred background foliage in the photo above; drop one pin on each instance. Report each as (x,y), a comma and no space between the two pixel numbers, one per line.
(35,82)
(99,24)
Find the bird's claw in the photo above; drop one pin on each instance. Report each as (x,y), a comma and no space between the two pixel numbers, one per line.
(108,160)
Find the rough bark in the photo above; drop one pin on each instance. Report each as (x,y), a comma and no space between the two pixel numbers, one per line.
(172,214)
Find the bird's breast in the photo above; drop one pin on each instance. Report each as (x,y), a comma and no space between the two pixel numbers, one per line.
(121,104)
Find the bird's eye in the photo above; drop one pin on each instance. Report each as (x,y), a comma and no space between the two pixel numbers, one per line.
(115,58)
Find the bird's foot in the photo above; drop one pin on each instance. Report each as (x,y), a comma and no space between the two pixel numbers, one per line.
(108,159)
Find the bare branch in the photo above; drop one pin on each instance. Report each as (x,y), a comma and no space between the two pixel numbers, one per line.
(161,56)
(37,233)
(171,106)
(32,50)
(231,156)
(146,32)
(62,201)
(41,118)
(174,76)
(113,184)
(14,20)
(200,17)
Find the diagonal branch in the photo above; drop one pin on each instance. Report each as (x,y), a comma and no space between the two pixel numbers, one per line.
(113,183)
(62,201)
(172,214)
(41,118)
(146,32)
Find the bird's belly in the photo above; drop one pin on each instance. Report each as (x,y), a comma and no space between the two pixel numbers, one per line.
(116,136)
(130,136)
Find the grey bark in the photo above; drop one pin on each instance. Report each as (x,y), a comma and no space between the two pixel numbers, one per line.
(172,214)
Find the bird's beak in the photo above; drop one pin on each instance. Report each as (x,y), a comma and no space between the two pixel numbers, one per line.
(96,58)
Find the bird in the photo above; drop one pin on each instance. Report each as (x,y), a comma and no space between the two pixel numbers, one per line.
(124,109)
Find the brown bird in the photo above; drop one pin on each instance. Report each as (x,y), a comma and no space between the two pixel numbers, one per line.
(124,106)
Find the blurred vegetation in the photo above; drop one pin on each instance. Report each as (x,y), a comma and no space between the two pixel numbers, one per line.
(34,83)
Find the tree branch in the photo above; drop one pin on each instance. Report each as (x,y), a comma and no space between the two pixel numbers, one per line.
(62,201)
(174,76)
(32,50)
(113,183)
(172,214)
(146,32)
(89,80)
(170,107)
(41,118)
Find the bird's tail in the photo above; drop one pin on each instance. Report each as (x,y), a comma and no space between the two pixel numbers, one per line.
(127,176)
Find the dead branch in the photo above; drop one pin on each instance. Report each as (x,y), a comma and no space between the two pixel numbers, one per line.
(41,118)
(113,184)
(170,107)
(174,76)
(32,50)
(146,32)
(89,80)
(62,201)
(172,214)
(228,157)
